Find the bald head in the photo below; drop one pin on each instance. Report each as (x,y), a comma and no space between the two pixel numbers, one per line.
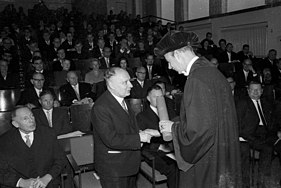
(72,78)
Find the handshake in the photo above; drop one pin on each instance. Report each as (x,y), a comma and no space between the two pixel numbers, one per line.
(147,134)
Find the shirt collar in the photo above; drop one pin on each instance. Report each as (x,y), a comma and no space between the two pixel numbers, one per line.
(31,135)
(119,99)
(51,110)
(154,109)
(186,73)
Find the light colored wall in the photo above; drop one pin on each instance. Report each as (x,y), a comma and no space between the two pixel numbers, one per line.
(233,5)
(167,10)
(270,16)
(198,9)
(117,5)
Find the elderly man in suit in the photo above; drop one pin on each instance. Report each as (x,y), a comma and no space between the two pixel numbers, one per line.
(140,84)
(206,138)
(75,92)
(30,96)
(117,136)
(30,155)
(148,119)
(48,116)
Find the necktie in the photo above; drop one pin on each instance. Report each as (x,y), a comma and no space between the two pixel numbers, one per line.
(124,106)
(76,89)
(261,114)
(149,72)
(49,118)
(107,62)
(142,84)
(27,142)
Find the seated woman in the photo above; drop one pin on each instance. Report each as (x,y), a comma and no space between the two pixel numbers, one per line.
(123,63)
(95,75)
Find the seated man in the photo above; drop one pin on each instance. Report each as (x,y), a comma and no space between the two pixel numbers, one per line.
(140,84)
(75,92)
(48,116)
(30,155)
(30,96)
(148,119)
(255,125)
(7,80)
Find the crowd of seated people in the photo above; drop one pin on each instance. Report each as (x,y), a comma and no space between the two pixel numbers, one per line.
(43,54)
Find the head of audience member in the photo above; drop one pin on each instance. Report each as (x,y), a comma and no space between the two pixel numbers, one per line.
(118,82)
(46,99)
(37,80)
(36,53)
(61,54)
(66,65)
(78,46)
(23,120)
(3,67)
(106,52)
(59,24)
(124,43)
(231,82)
(149,31)
(100,34)
(141,29)
(90,38)
(123,62)
(56,42)
(112,27)
(209,36)
(205,44)
(267,77)
(150,38)
(118,32)
(246,49)
(141,73)
(141,45)
(7,43)
(152,93)
(89,28)
(101,43)
(38,64)
(255,90)
(149,59)
(32,45)
(162,85)
(27,33)
(104,26)
(71,30)
(272,54)
(222,44)
(247,64)
(62,36)
(7,55)
(46,35)
(229,47)
(69,36)
(111,37)
(94,64)
(72,78)
(215,62)
(130,37)
(177,48)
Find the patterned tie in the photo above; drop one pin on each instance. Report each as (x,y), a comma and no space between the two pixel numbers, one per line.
(49,118)
(76,89)
(27,142)
(123,104)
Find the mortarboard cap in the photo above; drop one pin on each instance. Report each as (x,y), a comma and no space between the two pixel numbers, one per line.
(175,40)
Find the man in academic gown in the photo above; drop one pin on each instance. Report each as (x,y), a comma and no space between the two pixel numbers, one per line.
(206,138)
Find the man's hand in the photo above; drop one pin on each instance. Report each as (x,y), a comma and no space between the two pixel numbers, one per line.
(279,134)
(27,183)
(252,69)
(30,105)
(165,126)
(56,103)
(43,181)
(144,137)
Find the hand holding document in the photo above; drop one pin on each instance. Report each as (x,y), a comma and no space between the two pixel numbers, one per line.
(69,135)
(152,132)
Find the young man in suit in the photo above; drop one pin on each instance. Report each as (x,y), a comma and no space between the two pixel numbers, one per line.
(256,126)
(148,119)
(30,155)
(48,116)
(75,92)
(117,136)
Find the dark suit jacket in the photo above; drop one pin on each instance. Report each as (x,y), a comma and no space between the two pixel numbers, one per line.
(223,57)
(12,81)
(138,92)
(68,94)
(115,130)
(29,95)
(103,63)
(60,120)
(240,80)
(17,160)
(57,65)
(248,119)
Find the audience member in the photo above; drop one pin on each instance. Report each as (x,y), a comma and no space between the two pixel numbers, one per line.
(57,64)
(75,92)
(48,116)
(140,84)
(30,154)
(123,63)
(7,80)
(106,61)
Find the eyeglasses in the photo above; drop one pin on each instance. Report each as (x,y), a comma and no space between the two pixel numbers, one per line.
(38,80)
(141,72)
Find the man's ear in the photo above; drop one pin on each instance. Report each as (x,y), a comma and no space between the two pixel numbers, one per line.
(15,124)
(32,81)
(40,101)
(176,55)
